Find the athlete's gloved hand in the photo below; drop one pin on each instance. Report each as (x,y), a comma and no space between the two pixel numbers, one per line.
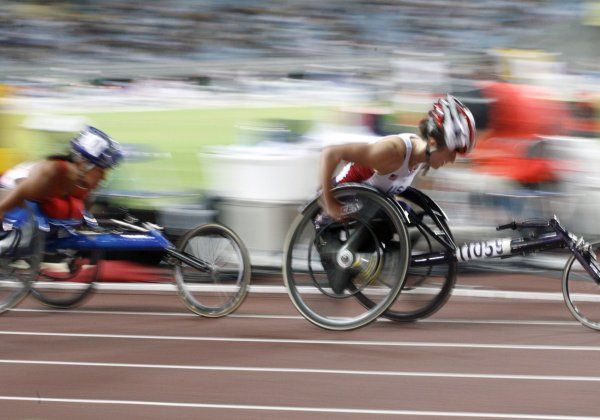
(333,208)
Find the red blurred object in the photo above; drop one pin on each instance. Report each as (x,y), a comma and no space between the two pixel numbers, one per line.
(120,271)
(518,114)
(523,111)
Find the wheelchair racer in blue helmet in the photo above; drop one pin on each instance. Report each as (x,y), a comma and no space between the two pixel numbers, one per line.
(61,183)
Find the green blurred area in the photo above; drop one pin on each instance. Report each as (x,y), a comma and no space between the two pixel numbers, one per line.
(172,138)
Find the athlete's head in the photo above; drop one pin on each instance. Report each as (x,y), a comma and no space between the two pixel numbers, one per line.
(94,152)
(449,128)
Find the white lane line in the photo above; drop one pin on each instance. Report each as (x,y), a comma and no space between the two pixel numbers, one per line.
(500,322)
(300,409)
(96,312)
(311,371)
(136,313)
(308,290)
(304,342)
(297,317)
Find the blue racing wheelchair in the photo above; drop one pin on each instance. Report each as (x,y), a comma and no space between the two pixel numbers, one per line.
(211,264)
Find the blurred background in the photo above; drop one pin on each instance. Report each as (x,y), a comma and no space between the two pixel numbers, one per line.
(223,106)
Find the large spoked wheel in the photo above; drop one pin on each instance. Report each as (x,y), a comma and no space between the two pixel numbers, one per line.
(427,288)
(580,290)
(223,286)
(20,256)
(66,277)
(331,267)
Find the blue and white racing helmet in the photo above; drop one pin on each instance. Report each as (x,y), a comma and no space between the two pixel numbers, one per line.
(97,148)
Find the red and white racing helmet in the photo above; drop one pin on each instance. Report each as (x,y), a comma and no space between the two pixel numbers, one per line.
(452,122)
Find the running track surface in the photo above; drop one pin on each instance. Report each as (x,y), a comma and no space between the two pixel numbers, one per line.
(143,355)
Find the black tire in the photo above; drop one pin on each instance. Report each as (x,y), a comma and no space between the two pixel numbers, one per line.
(580,290)
(310,276)
(66,278)
(427,289)
(19,263)
(222,289)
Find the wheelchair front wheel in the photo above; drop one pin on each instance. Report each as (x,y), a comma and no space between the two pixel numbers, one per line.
(221,288)
(581,292)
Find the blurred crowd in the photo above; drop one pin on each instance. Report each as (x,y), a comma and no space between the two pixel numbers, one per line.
(32,31)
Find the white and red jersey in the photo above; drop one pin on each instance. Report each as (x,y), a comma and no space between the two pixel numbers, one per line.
(392,183)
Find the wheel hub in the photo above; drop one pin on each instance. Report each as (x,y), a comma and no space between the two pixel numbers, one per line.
(345,258)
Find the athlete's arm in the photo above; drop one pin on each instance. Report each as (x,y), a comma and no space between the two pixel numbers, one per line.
(44,178)
(385,156)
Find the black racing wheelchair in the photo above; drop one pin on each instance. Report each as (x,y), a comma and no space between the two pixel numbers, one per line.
(397,258)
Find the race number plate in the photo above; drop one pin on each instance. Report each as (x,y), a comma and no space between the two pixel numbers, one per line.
(484,249)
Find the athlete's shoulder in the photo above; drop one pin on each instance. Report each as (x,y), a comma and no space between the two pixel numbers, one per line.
(400,138)
(393,143)
(56,169)
(48,166)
